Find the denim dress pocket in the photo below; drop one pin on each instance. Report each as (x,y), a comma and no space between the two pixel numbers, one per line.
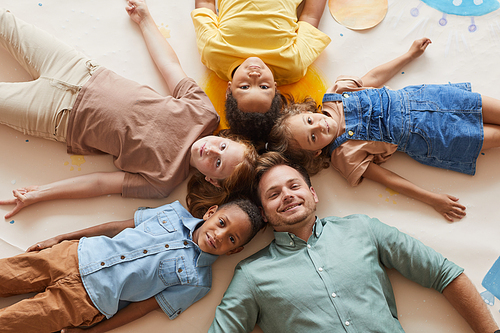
(445,126)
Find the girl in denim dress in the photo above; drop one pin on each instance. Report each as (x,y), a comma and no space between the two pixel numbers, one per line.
(364,123)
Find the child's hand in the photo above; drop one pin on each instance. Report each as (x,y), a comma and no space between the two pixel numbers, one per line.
(448,206)
(43,245)
(418,47)
(23,197)
(137,10)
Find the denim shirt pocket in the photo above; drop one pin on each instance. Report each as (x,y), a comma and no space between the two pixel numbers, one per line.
(173,271)
(160,224)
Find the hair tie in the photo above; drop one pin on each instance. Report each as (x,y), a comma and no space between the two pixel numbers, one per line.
(265,146)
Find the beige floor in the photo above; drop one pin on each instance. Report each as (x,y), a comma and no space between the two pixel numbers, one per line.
(102,30)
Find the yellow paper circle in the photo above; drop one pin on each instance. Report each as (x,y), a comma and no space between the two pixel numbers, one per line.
(358,14)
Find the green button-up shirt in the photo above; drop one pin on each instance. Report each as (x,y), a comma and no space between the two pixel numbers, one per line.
(334,282)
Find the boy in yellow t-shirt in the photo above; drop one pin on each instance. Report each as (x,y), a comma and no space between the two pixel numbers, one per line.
(258,45)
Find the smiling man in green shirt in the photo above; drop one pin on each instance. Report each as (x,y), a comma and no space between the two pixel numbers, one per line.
(329,275)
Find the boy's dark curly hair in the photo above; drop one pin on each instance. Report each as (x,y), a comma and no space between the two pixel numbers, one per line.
(253,213)
(254,126)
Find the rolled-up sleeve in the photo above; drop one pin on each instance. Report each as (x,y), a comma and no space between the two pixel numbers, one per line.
(205,25)
(412,258)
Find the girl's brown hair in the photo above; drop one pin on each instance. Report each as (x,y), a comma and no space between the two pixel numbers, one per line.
(282,141)
(202,195)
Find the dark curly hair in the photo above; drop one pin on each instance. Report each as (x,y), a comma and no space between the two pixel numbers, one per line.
(253,213)
(254,126)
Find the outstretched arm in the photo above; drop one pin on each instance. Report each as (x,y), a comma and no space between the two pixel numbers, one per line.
(87,186)
(464,297)
(378,76)
(109,229)
(312,12)
(210,4)
(160,50)
(444,204)
(126,315)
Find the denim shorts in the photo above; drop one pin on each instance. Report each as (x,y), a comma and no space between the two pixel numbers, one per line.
(443,125)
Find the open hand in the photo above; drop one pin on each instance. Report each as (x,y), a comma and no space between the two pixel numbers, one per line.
(448,206)
(23,197)
(418,47)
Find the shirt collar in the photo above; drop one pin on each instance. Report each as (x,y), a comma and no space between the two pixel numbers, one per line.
(190,223)
(204,259)
(289,239)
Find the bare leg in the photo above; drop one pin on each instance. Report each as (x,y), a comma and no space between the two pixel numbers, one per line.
(491,136)
(312,11)
(491,110)
(491,122)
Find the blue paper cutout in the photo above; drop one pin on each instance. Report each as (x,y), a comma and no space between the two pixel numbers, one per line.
(464,7)
(459,7)
(488,298)
(492,283)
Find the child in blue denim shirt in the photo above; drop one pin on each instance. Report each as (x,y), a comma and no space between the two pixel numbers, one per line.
(364,123)
(161,258)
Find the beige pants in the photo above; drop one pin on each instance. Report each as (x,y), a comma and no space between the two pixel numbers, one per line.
(40,107)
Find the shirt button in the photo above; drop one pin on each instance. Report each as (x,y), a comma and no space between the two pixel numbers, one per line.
(334,295)
(145,251)
(185,242)
(346,95)
(179,270)
(167,246)
(291,243)
(123,257)
(308,246)
(320,269)
(347,323)
(351,133)
(102,263)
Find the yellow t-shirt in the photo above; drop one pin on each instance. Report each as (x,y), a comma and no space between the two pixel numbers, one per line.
(257,28)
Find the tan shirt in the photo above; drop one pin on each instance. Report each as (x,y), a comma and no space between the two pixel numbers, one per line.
(149,135)
(352,158)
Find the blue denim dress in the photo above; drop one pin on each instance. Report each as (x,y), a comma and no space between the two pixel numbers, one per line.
(437,125)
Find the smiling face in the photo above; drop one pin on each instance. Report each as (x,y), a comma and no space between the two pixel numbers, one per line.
(224,231)
(253,86)
(289,204)
(216,157)
(313,131)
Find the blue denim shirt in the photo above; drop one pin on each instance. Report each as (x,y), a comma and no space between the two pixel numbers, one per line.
(156,258)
